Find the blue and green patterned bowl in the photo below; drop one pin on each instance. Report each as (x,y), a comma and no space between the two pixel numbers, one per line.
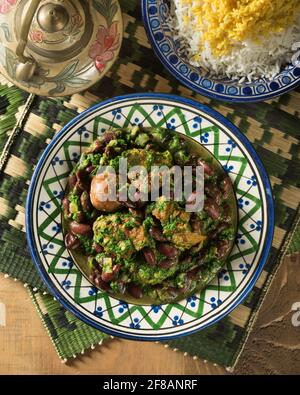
(255,229)
(156,15)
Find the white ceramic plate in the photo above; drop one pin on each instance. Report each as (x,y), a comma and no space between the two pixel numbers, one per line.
(225,292)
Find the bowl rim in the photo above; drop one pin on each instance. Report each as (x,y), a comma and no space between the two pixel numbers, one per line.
(173,98)
(198,89)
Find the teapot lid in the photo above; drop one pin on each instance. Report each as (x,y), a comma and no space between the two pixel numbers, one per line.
(70,44)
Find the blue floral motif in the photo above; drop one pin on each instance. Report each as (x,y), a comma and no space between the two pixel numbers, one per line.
(135,324)
(177,320)
(204,137)
(215,303)
(136,122)
(170,126)
(192,301)
(66,284)
(68,263)
(257,226)
(223,275)
(123,306)
(82,131)
(243,202)
(252,181)
(56,228)
(228,168)
(240,239)
(231,144)
(244,267)
(98,312)
(156,308)
(44,205)
(56,161)
(159,109)
(59,195)
(93,291)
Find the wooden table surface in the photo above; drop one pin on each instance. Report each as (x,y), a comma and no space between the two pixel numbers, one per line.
(26,349)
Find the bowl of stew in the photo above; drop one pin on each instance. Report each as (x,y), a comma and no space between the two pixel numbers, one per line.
(141,268)
(140,250)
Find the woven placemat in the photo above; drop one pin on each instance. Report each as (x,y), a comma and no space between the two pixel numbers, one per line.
(28,123)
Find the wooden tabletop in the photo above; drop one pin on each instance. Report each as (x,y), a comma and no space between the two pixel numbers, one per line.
(273,346)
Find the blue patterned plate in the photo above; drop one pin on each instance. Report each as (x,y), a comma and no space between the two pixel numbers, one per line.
(144,322)
(156,14)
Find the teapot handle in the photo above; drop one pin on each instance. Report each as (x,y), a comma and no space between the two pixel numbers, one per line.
(26,66)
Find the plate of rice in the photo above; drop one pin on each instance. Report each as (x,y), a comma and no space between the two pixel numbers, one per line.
(234,50)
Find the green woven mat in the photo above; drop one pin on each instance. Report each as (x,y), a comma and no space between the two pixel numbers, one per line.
(273,128)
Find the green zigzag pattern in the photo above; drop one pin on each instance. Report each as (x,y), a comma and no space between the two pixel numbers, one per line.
(109,302)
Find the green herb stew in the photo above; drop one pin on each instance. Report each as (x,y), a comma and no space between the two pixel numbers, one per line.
(152,251)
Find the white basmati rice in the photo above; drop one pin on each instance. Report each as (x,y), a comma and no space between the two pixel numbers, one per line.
(247,60)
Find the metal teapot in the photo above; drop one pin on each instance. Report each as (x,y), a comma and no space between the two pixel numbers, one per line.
(58,47)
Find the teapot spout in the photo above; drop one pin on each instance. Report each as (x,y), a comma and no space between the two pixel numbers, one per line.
(25,71)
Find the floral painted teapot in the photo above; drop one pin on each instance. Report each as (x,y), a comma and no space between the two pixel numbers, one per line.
(58,47)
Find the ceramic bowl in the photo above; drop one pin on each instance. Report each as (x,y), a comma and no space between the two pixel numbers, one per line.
(156,20)
(144,322)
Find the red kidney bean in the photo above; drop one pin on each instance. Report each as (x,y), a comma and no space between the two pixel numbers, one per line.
(208,170)
(80,229)
(83,183)
(109,152)
(223,248)
(157,234)
(85,201)
(81,176)
(192,197)
(214,192)
(96,272)
(90,169)
(108,136)
(107,277)
(227,187)
(98,147)
(167,263)
(195,198)
(72,181)
(97,248)
(227,213)
(196,224)
(66,206)
(80,217)
(116,268)
(212,209)
(71,241)
(168,250)
(193,274)
(101,284)
(149,256)
(187,285)
(78,188)
(135,290)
